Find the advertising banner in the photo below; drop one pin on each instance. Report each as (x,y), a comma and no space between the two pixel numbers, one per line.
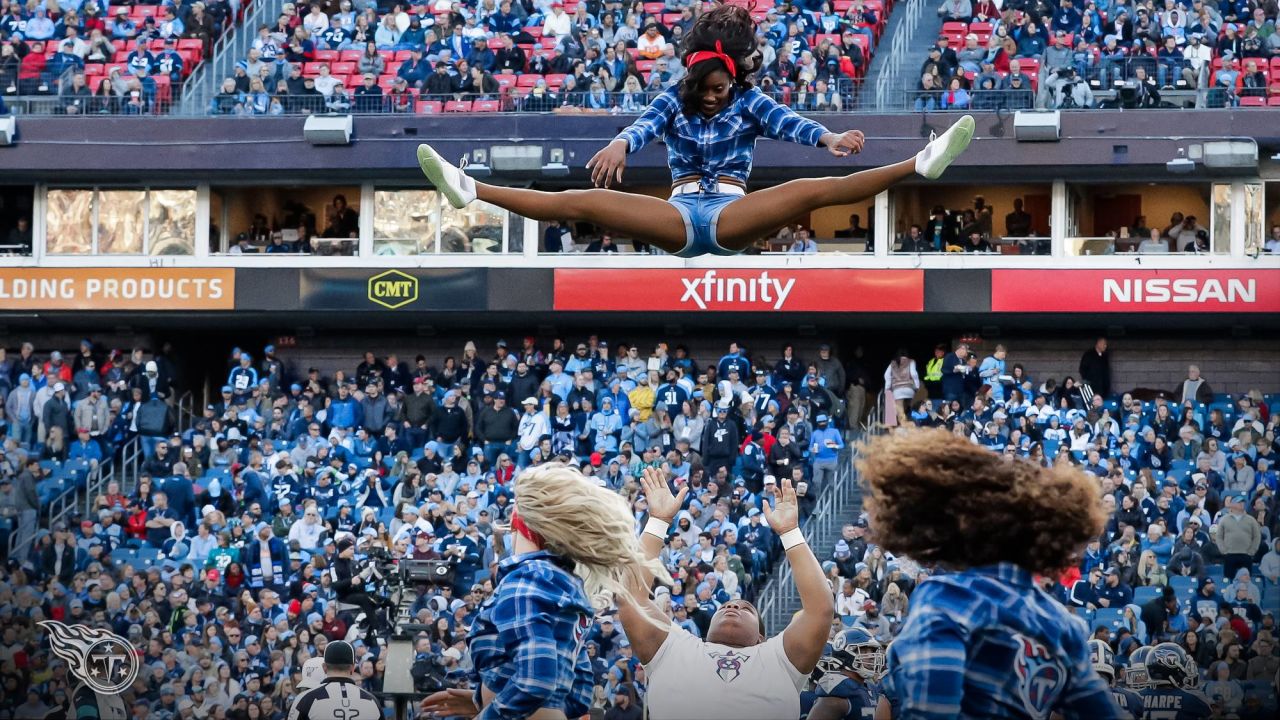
(150,289)
(740,290)
(1136,291)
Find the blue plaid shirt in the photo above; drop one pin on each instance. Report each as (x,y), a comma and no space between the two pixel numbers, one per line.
(722,146)
(528,642)
(988,642)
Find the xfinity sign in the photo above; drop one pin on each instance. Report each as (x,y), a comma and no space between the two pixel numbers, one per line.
(696,290)
(709,288)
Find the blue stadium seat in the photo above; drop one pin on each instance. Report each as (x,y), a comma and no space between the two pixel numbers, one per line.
(1215,572)
(1110,618)
(122,555)
(1184,586)
(1145,594)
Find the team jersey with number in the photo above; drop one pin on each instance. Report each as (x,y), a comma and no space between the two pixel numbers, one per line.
(1129,702)
(861,699)
(1174,704)
(692,678)
(337,698)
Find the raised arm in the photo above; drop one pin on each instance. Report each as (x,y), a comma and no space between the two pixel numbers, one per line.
(805,637)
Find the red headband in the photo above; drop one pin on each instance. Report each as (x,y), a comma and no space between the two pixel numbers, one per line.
(718,54)
(517,524)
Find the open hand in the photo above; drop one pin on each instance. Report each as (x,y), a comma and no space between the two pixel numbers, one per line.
(606,166)
(845,144)
(450,703)
(786,514)
(662,504)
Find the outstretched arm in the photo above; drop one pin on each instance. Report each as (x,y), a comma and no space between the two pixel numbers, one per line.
(780,122)
(805,637)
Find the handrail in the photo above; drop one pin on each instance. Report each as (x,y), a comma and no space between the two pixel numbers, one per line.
(209,73)
(780,593)
(186,411)
(902,38)
(123,461)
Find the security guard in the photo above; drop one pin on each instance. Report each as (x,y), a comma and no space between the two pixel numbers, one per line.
(933,372)
(338,696)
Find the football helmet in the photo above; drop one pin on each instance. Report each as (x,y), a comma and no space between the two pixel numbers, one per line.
(1102,658)
(1169,665)
(1135,676)
(854,650)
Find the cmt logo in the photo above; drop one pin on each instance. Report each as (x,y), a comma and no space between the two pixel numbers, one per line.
(393,289)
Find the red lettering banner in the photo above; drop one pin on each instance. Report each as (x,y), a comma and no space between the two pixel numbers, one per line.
(1118,291)
(735,290)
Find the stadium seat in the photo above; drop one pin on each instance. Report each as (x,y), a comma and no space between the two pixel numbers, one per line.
(343,68)
(1253,101)
(1185,587)
(485,106)
(1110,618)
(1145,594)
(458,106)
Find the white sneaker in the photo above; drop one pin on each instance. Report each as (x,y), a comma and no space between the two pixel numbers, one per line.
(943,150)
(458,187)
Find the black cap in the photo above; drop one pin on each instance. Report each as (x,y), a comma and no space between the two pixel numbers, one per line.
(345,542)
(339,652)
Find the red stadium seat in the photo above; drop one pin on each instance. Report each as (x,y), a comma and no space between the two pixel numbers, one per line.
(393,68)
(92,70)
(198,45)
(644,66)
(351,56)
(832,37)
(533,31)
(506,82)
(328,56)
(1273,101)
(1275,65)
(1252,101)
(495,43)
(458,106)
(528,80)
(655,8)
(343,68)
(980,28)
(119,56)
(485,106)
(554,81)
(403,55)
(311,69)
(670,19)
(386,81)
(428,107)
(951,28)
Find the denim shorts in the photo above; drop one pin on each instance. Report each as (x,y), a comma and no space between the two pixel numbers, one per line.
(701,213)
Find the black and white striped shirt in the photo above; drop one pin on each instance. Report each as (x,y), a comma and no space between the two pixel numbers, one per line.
(337,698)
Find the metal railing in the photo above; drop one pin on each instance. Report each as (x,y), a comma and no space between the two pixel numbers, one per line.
(122,464)
(208,75)
(186,411)
(902,38)
(779,596)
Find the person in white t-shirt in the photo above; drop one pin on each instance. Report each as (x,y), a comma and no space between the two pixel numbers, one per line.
(737,673)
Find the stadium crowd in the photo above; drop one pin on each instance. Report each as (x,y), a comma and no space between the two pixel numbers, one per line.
(530,55)
(1080,54)
(230,560)
(222,562)
(98,59)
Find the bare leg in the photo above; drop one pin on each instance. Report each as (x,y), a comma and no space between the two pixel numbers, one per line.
(744,221)
(643,217)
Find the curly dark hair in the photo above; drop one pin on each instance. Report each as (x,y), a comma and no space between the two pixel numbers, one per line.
(733,28)
(942,500)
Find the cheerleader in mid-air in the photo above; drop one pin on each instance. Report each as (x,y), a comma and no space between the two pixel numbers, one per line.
(710,122)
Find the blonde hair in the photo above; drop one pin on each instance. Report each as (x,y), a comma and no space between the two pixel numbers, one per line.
(590,525)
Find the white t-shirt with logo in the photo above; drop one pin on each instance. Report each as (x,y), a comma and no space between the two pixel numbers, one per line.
(692,678)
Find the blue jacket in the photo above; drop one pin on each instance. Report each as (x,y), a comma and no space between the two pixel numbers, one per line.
(818,445)
(345,413)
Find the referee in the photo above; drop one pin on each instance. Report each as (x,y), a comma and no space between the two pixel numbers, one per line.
(338,697)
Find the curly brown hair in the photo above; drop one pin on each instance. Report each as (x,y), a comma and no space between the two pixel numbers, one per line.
(942,500)
(732,27)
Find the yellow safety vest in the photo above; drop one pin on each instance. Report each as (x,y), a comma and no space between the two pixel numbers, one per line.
(933,370)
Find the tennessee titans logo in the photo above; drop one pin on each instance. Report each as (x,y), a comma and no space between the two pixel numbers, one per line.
(102,660)
(729,665)
(1041,678)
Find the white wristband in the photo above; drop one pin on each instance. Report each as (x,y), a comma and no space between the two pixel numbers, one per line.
(792,538)
(657,527)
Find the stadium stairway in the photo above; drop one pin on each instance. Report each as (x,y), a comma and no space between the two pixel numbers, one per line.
(231,48)
(839,504)
(902,51)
